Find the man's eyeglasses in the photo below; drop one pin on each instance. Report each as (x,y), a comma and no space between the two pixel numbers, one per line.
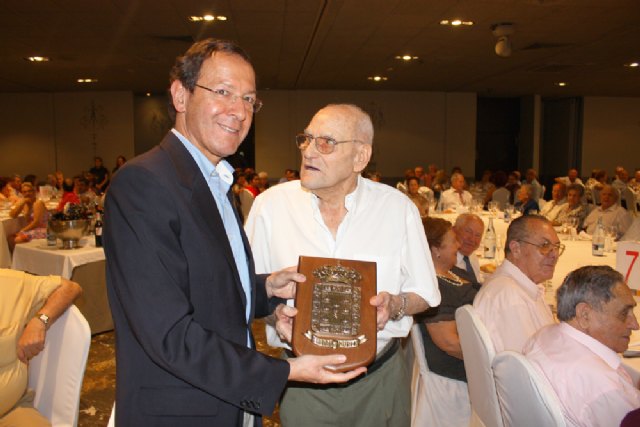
(250,102)
(324,144)
(546,247)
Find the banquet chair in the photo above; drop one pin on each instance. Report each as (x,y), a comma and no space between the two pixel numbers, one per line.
(476,343)
(112,418)
(56,373)
(94,303)
(434,400)
(525,396)
(629,201)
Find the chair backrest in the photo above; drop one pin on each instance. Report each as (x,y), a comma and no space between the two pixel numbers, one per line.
(501,195)
(630,200)
(525,396)
(56,373)
(112,418)
(420,369)
(479,352)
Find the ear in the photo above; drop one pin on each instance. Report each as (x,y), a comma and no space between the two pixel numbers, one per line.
(362,157)
(514,247)
(583,312)
(179,96)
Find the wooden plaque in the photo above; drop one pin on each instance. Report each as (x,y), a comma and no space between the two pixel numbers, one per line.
(334,313)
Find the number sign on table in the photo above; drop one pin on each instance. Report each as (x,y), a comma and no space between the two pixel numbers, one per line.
(628,264)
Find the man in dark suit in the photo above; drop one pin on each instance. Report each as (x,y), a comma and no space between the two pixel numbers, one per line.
(180,274)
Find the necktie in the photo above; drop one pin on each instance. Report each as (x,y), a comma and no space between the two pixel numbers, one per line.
(472,274)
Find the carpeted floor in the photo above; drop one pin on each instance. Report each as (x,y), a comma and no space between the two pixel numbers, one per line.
(98,388)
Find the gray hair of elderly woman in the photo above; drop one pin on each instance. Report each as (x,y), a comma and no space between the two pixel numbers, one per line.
(520,229)
(576,187)
(592,284)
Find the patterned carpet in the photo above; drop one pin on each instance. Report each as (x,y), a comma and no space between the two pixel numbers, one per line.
(98,388)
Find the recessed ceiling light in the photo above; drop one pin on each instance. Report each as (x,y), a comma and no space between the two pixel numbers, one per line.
(207,18)
(561,84)
(38,59)
(456,22)
(407,57)
(148,94)
(378,78)
(87,80)
(632,64)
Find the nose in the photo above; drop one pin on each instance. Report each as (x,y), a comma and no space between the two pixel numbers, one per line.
(633,322)
(236,107)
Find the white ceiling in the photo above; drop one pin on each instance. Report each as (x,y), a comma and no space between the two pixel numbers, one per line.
(330,44)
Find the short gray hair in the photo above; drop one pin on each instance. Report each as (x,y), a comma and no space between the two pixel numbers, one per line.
(464,218)
(592,284)
(521,229)
(361,120)
(576,187)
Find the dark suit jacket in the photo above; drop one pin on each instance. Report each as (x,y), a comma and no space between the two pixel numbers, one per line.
(177,301)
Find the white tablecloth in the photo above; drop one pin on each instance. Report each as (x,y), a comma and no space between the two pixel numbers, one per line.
(38,258)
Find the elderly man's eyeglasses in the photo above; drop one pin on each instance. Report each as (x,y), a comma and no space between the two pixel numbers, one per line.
(324,144)
(250,102)
(546,247)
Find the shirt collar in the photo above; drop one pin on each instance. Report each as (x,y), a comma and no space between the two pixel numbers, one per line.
(532,289)
(223,169)
(605,353)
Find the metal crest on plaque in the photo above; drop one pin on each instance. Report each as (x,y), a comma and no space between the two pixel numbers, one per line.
(335,311)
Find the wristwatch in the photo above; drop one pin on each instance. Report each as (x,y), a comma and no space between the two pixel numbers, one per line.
(43,318)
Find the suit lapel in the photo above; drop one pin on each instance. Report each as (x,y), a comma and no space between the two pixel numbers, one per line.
(204,205)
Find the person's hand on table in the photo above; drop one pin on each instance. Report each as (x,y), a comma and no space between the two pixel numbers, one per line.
(282,284)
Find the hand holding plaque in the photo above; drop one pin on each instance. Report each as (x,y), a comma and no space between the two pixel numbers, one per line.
(334,314)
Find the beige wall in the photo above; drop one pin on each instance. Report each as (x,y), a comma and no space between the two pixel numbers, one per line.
(611,134)
(411,128)
(40,133)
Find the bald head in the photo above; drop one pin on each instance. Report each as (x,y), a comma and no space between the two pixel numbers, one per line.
(352,119)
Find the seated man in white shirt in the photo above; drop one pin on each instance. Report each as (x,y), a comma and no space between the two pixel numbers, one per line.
(456,196)
(613,215)
(511,302)
(469,229)
(579,355)
(28,306)
(553,207)
(571,178)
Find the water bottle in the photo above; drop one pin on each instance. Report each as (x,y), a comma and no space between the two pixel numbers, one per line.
(51,236)
(597,240)
(490,241)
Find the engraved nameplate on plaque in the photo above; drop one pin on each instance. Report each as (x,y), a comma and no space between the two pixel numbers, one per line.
(334,313)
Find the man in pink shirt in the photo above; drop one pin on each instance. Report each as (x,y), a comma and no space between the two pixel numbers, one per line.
(579,355)
(511,302)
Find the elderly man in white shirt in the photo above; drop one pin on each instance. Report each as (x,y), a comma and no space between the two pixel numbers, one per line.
(469,229)
(511,302)
(333,212)
(579,357)
(553,207)
(571,178)
(456,196)
(613,215)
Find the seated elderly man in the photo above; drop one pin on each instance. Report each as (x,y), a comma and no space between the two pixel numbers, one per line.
(579,356)
(468,229)
(613,215)
(511,302)
(28,307)
(456,196)
(571,178)
(574,208)
(552,208)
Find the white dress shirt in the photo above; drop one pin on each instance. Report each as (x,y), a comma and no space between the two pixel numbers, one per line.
(381,225)
(451,199)
(512,307)
(614,215)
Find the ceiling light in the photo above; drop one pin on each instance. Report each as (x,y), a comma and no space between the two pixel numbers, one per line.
(456,22)
(38,58)
(407,57)
(561,84)
(207,18)
(632,64)
(502,32)
(377,78)
(87,80)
